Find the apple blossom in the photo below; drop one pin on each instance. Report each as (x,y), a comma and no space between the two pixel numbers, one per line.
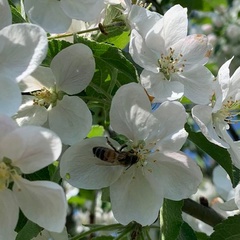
(161,171)
(214,119)
(70,72)
(229,194)
(22,49)
(172,62)
(24,150)
(56,16)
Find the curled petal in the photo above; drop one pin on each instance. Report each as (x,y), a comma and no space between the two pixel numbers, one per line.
(84,170)
(42,202)
(31,148)
(222,183)
(141,53)
(8,215)
(73,68)
(203,117)
(70,119)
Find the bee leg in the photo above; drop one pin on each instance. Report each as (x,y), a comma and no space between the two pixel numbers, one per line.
(122,147)
(110,144)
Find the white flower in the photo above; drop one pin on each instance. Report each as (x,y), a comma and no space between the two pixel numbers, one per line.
(56,16)
(214,119)
(156,168)
(227,192)
(173,62)
(22,49)
(70,72)
(24,150)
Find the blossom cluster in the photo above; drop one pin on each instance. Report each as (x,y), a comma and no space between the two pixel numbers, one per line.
(44,104)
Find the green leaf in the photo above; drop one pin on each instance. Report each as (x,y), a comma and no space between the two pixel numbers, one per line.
(113,70)
(96,131)
(219,154)
(227,230)
(54,47)
(236,176)
(42,174)
(202,236)
(186,233)
(103,238)
(171,219)
(16,15)
(29,231)
(114,28)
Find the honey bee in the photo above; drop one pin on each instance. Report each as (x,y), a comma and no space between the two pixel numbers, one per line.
(114,156)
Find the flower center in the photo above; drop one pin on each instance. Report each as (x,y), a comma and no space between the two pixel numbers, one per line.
(141,152)
(170,64)
(46,97)
(229,111)
(7,173)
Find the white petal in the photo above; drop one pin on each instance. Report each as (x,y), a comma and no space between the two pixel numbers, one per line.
(131,111)
(134,198)
(222,182)
(237,196)
(48,14)
(10,96)
(86,170)
(234,149)
(160,88)
(223,79)
(175,25)
(73,68)
(8,215)
(86,10)
(23,46)
(31,148)
(168,30)
(178,176)
(30,114)
(42,202)
(194,49)
(229,205)
(40,78)
(7,125)
(5,14)
(141,54)
(70,119)
(142,19)
(169,133)
(197,84)
(203,117)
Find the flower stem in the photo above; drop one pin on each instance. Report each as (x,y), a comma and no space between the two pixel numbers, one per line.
(100,28)
(201,212)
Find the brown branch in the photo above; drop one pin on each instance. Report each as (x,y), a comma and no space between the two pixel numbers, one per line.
(203,213)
